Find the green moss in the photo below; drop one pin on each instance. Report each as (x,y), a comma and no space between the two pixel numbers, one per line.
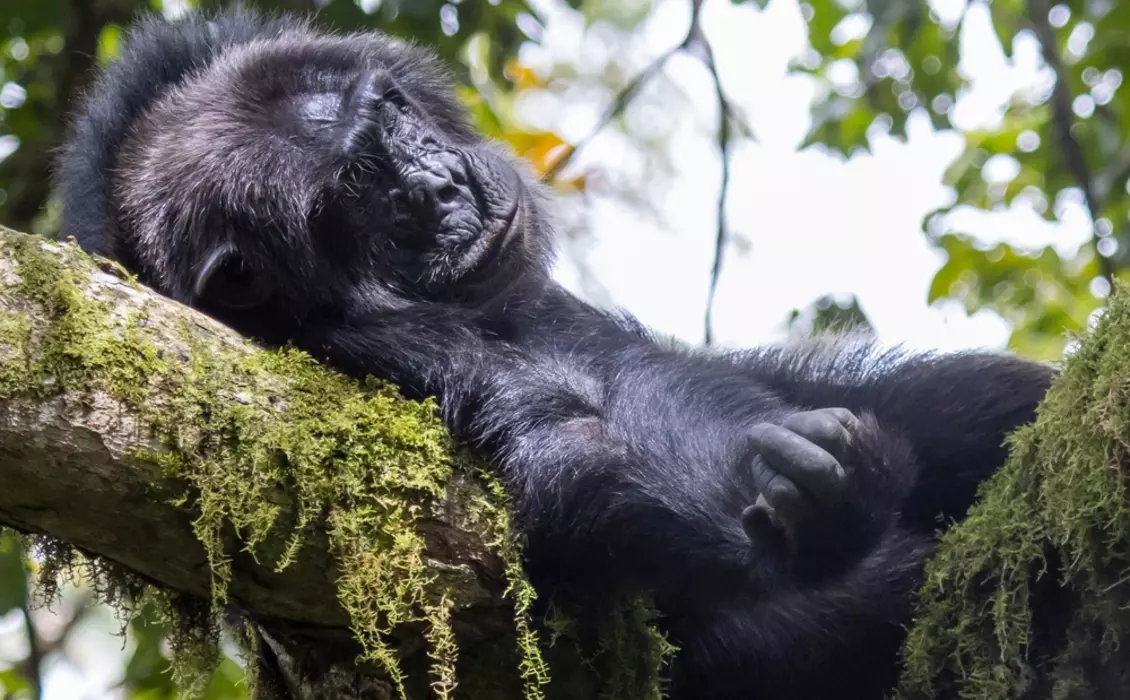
(1062,491)
(15,334)
(265,470)
(491,512)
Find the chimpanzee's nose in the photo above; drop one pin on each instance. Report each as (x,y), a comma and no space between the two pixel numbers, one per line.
(440,185)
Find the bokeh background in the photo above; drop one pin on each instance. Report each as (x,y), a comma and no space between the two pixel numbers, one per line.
(950,174)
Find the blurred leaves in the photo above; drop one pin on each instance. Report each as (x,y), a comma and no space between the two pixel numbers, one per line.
(827,314)
(13,582)
(881,60)
(1041,293)
(147,674)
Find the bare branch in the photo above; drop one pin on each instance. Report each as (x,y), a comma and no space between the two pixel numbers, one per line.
(622,100)
(702,47)
(1071,152)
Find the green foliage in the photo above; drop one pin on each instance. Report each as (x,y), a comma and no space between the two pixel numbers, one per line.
(1062,494)
(13,582)
(908,60)
(829,314)
(1037,291)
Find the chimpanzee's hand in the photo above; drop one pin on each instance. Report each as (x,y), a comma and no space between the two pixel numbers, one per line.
(801,468)
(829,484)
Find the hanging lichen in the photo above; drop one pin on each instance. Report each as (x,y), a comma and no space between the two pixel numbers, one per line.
(1060,500)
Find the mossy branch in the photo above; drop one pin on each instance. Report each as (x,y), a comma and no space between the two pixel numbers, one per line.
(1029,597)
(162,442)
(376,559)
(197,471)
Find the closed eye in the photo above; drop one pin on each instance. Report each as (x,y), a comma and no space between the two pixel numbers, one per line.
(394,96)
(227,282)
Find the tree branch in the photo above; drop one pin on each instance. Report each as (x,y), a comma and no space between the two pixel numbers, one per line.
(1074,160)
(369,553)
(623,99)
(81,460)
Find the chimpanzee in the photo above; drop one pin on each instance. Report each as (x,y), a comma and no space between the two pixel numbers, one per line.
(327,190)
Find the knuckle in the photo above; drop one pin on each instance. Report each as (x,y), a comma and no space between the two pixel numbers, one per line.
(826,463)
(842,415)
(800,422)
(761,433)
(779,489)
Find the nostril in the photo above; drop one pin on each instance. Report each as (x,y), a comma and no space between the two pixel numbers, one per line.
(447,194)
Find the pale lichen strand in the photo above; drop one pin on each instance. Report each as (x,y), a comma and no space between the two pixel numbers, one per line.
(359,462)
(490,511)
(630,632)
(1063,491)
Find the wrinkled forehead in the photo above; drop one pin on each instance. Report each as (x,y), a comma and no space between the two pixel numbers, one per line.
(291,66)
(249,130)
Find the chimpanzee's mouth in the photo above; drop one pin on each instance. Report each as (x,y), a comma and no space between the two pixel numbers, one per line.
(499,229)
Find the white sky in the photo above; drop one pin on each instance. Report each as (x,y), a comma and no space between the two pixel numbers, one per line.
(814,223)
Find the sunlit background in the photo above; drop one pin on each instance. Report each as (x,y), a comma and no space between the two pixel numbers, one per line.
(898,164)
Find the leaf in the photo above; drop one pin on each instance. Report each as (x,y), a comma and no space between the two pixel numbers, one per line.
(23,17)
(542,149)
(522,77)
(13,573)
(1042,294)
(13,684)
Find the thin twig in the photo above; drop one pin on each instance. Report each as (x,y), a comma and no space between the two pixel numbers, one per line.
(621,101)
(697,40)
(720,239)
(1062,121)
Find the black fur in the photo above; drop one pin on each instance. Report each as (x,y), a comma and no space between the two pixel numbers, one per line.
(327,191)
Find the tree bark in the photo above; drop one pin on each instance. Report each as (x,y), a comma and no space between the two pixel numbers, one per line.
(84,460)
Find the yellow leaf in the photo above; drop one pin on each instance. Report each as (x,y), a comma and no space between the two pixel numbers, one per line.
(576,184)
(523,77)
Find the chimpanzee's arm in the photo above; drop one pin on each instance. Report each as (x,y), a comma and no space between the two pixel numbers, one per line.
(955,409)
(837,640)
